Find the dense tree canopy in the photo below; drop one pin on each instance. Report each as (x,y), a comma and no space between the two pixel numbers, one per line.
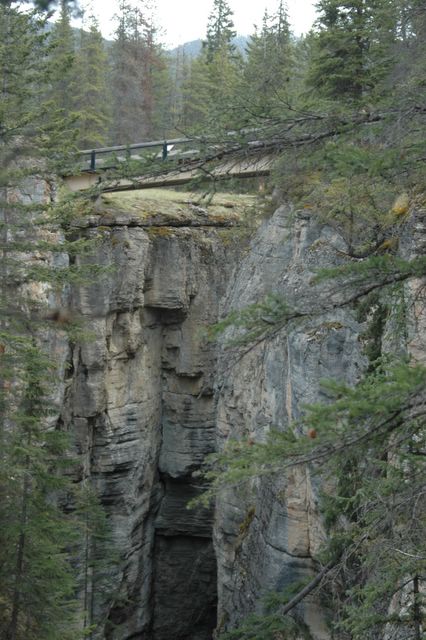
(269,65)
(38,581)
(91,92)
(138,77)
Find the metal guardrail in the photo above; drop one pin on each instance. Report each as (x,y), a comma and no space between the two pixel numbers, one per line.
(167,148)
(163,144)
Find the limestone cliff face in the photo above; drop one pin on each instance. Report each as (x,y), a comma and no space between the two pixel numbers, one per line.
(266,533)
(148,398)
(149,403)
(140,398)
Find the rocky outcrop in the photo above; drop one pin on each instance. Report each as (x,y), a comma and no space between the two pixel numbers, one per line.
(149,405)
(148,397)
(267,532)
(140,399)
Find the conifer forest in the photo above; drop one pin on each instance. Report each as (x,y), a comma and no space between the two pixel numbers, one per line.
(213,324)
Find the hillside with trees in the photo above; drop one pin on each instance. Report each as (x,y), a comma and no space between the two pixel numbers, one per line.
(342,112)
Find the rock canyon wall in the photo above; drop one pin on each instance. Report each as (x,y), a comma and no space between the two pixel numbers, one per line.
(148,397)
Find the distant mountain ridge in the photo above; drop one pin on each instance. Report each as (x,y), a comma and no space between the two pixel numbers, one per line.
(193,48)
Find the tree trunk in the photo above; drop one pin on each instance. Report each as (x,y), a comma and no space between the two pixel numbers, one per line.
(16,602)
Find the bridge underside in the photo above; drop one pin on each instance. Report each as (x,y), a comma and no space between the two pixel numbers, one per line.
(245,168)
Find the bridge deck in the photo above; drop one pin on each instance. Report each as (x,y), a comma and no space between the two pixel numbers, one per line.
(95,164)
(246,168)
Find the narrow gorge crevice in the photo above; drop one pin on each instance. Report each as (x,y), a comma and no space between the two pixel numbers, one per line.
(146,398)
(184,588)
(141,404)
(150,397)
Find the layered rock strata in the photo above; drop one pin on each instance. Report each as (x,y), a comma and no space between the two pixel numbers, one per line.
(140,400)
(149,397)
(267,531)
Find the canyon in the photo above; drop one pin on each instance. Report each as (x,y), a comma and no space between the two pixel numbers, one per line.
(147,396)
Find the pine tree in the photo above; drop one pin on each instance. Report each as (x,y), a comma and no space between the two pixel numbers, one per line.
(157,81)
(220,30)
(214,82)
(196,96)
(352,49)
(37,581)
(95,555)
(63,68)
(91,97)
(269,67)
(139,75)
(179,66)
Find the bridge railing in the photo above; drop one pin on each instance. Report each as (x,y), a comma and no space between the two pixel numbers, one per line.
(105,157)
(179,149)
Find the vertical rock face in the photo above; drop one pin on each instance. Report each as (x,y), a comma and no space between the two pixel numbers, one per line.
(149,405)
(267,532)
(140,396)
(148,398)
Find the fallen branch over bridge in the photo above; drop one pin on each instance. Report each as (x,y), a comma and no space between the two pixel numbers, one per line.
(241,154)
(174,164)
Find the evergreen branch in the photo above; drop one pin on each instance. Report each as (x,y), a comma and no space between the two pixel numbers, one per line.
(313,584)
